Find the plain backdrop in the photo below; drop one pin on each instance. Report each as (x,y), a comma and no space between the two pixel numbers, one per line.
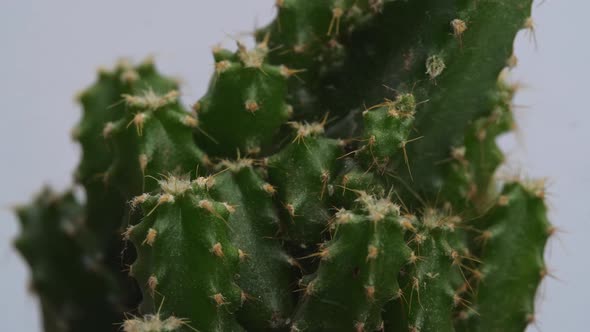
(49,50)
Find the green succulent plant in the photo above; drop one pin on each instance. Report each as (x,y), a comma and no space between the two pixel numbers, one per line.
(339,176)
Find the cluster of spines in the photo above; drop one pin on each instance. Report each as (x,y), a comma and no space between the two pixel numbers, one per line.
(354,179)
(102,104)
(152,137)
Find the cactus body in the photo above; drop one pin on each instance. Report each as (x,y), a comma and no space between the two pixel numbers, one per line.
(75,287)
(251,93)
(339,176)
(185,236)
(358,271)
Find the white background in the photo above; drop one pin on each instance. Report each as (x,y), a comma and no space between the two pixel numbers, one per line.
(49,50)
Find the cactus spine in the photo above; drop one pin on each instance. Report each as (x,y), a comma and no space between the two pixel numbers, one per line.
(339,176)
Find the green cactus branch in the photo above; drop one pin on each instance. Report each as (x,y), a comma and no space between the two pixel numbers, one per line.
(339,176)
(185,236)
(69,278)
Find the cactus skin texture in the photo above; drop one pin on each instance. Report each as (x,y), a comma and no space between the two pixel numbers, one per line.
(339,176)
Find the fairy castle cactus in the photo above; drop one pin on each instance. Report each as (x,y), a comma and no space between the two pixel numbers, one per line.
(338,176)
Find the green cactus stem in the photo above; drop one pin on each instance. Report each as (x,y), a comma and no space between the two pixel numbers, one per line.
(186,261)
(338,176)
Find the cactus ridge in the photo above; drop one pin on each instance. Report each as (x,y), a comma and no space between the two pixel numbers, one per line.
(307,165)
(338,176)
(265,268)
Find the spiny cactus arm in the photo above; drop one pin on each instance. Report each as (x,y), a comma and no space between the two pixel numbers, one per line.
(302,173)
(265,270)
(358,270)
(432,274)
(105,204)
(514,234)
(186,261)
(102,104)
(154,137)
(245,104)
(69,280)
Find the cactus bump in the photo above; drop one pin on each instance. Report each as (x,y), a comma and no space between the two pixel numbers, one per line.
(340,175)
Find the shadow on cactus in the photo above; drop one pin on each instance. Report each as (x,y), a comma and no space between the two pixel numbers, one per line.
(339,176)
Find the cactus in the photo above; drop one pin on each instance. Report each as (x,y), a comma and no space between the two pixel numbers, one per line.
(339,176)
